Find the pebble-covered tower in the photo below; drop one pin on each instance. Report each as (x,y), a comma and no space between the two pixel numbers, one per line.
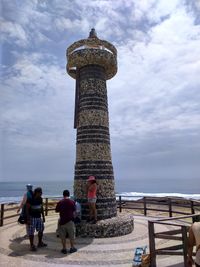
(91,62)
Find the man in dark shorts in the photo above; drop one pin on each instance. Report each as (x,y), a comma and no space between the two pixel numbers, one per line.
(34,220)
(66,207)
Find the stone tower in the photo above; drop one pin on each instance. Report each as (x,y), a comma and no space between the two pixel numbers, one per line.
(91,62)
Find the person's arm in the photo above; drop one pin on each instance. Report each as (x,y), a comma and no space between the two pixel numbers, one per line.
(74,209)
(57,209)
(191,243)
(42,211)
(87,186)
(28,205)
(78,209)
(24,199)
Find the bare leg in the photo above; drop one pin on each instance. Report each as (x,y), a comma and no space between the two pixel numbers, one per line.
(94,210)
(40,235)
(71,243)
(31,238)
(90,211)
(32,246)
(63,240)
(95,213)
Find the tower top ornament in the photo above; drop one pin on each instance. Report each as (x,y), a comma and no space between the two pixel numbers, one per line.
(93,34)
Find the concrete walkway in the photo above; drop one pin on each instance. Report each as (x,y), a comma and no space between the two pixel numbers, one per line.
(115,251)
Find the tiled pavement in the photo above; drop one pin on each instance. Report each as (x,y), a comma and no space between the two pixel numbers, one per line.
(115,251)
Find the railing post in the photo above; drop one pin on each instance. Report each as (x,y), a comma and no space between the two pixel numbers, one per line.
(192,207)
(170,207)
(184,240)
(145,206)
(46,206)
(152,246)
(2,214)
(120,203)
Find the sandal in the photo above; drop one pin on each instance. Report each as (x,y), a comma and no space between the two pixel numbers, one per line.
(42,245)
(64,251)
(33,248)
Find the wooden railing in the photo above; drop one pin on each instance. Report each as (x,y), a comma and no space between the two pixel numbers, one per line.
(166,206)
(177,234)
(9,211)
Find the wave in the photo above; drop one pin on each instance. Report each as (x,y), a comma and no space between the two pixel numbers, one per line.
(139,195)
(15,200)
(125,195)
(7,200)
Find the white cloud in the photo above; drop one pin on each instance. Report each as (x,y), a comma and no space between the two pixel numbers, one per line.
(38,112)
(153,100)
(13,32)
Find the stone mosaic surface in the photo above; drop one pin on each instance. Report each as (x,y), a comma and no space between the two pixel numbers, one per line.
(92,42)
(91,62)
(93,151)
(93,86)
(92,51)
(85,57)
(117,226)
(94,252)
(93,117)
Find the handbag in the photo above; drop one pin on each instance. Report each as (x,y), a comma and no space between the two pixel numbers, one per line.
(22,217)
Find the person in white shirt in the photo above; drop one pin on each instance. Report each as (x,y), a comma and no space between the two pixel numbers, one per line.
(26,195)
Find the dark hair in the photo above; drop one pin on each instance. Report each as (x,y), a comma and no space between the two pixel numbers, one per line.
(93,182)
(37,190)
(66,193)
(196,218)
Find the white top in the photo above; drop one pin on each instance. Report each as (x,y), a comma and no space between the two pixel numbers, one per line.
(78,209)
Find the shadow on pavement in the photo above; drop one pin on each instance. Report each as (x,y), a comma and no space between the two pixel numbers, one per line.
(177,265)
(20,246)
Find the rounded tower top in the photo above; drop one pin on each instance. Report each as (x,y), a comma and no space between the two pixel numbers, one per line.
(92,51)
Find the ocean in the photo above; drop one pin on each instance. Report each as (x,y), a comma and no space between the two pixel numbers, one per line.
(12,192)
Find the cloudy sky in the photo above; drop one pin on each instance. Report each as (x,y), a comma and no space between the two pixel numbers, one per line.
(154,100)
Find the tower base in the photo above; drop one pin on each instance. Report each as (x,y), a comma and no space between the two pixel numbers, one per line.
(116,226)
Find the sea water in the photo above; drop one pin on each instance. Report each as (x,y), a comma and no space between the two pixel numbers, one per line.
(11,192)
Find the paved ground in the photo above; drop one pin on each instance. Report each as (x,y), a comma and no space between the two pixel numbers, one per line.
(115,251)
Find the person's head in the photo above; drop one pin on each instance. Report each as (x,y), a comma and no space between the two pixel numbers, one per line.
(196,219)
(29,187)
(91,179)
(66,193)
(38,191)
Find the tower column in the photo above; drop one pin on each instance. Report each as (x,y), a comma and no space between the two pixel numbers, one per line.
(93,154)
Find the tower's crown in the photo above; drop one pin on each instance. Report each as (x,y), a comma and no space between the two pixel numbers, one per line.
(92,51)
